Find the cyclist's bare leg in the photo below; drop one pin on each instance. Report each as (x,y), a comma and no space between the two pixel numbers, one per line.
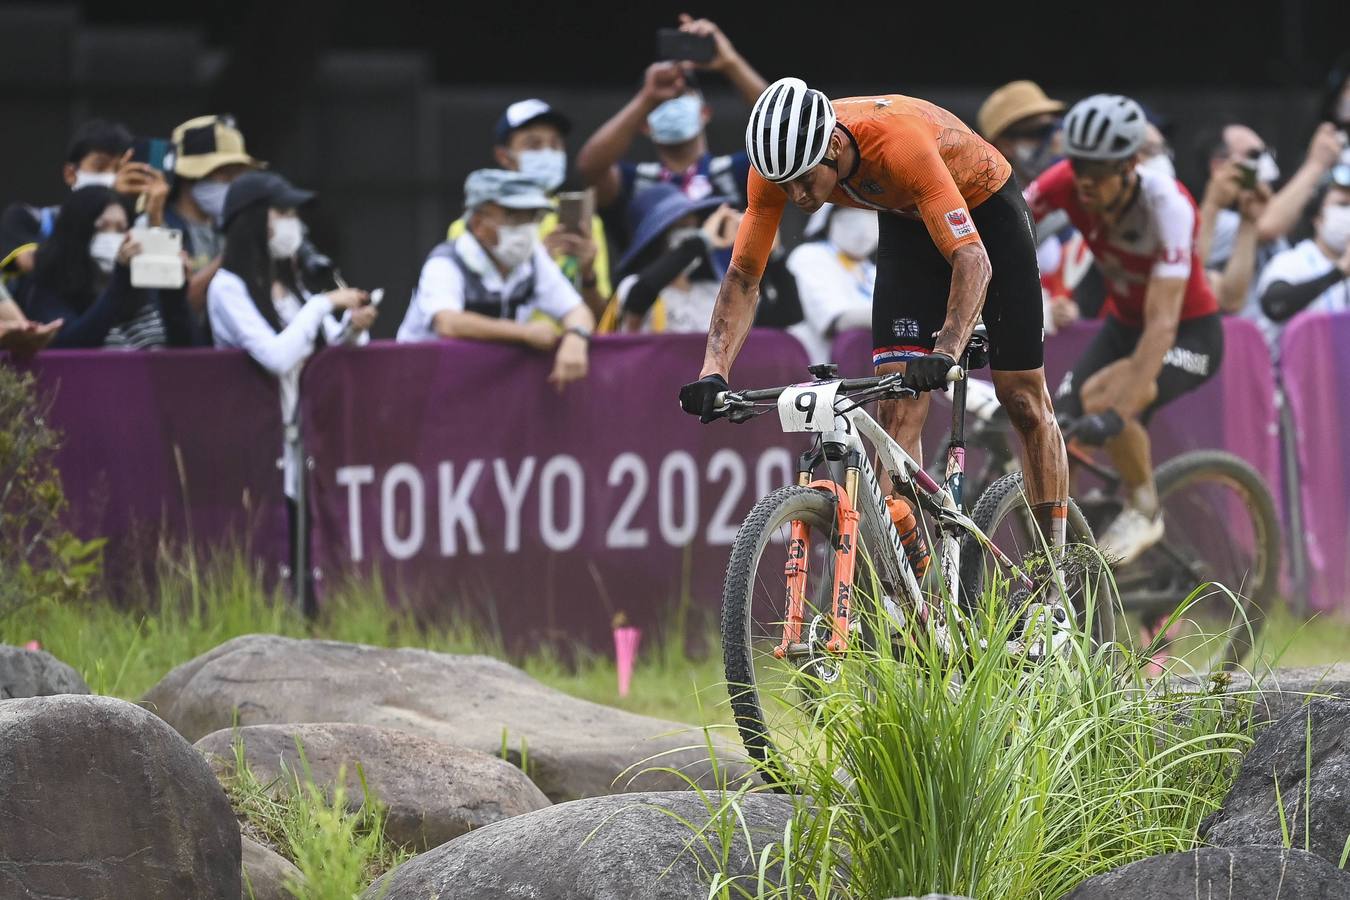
(1045,467)
(1129,450)
(903,419)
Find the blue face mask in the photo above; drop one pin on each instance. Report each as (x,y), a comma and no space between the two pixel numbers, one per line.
(677,120)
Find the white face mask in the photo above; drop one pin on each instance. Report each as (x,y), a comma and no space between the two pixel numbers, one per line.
(547,168)
(515,243)
(854,232)
(210,197)
(1159,164)
(103,248)
(677,120)
(286,237)
(1335,228)
(85,179)
(1267,171)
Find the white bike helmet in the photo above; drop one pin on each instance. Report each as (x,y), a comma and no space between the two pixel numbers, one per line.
(1105,127)
(789,130)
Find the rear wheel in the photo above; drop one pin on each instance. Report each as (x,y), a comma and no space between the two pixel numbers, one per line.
(1004,515)
(776,702)
(1219,558)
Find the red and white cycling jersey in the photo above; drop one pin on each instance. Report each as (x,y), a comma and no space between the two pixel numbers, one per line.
(1155,238)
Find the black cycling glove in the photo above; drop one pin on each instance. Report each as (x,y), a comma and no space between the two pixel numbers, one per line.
(699,397)
(929,373)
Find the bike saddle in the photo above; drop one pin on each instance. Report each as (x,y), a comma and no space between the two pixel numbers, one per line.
(977,349)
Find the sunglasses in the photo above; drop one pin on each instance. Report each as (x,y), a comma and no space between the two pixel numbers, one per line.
(1096,169)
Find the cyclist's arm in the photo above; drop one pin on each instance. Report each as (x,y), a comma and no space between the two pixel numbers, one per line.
(734,311)
(913,153)
(1162,314)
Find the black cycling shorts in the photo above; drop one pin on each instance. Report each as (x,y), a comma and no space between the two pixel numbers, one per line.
(1192,361)
(914,280)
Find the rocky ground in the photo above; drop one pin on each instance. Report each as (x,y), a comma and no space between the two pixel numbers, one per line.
(509,789)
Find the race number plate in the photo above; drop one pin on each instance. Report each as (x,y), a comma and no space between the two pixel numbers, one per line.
(808,407)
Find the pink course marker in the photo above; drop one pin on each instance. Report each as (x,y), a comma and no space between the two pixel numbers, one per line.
(626,639)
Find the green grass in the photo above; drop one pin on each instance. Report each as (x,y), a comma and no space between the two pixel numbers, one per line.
(338,850)
(974,774)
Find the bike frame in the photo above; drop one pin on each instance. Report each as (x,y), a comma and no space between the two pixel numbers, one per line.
(845,440)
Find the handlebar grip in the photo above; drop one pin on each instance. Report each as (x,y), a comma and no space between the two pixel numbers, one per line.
(720,401)
(955,373)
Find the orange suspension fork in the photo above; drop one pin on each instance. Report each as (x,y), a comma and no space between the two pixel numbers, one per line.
(795,572)
(844,558)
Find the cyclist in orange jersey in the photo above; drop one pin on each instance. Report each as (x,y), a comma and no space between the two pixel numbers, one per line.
(956,245)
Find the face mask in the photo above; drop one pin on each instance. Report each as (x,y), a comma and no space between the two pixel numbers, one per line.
(85,179)
(1033,159)
(547,168)
(210,197)
(677,236)
(1159,164)
(103,249)
(515,243)
(677,120)
(854,232)
(1335,228)
(286,237)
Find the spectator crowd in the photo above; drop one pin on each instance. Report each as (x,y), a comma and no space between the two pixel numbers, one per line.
(641,246)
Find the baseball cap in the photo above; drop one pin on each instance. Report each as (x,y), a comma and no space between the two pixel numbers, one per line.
(1011,103)
(206,143)
(509,189)
(262,187)
(527,112)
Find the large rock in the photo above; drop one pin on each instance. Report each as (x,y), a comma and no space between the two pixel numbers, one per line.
(1237,873)
(434,791)
(571,748)
(36,673)
(100,799)
(266,873)
(606,848)
(1280,756)
(1275,692)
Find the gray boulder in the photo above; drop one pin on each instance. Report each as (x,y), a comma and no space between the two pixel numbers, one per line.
(1236,873)
(1274,693)
(606,848)
(434,791)
(1250,815)
(36,673)
(569,747)
(99,798)
(266,873)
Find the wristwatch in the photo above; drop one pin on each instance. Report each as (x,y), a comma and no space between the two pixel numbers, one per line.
(580,332)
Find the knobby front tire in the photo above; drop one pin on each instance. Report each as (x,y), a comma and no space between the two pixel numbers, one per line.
(772,700)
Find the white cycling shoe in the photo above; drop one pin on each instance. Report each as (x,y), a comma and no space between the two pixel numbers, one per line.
(1129,536)
(1045,632)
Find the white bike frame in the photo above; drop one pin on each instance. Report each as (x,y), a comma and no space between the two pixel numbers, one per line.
(796,409)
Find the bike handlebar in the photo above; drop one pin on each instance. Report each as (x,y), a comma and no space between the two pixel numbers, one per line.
(895,381)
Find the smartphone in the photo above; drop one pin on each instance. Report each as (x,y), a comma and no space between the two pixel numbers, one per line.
(160,262)
(681,46)
(157,153)
(575,209)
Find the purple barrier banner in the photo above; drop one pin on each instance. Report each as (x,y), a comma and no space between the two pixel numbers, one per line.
(470,483)
(1234,411)
(181,445)
(1316,371)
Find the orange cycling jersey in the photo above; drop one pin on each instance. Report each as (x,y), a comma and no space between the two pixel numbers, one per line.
(914,159)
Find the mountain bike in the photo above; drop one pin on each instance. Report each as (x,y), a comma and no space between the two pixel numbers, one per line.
(809,556)
(1220,548)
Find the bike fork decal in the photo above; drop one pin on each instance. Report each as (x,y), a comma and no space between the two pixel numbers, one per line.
(795,573)
(843,571)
